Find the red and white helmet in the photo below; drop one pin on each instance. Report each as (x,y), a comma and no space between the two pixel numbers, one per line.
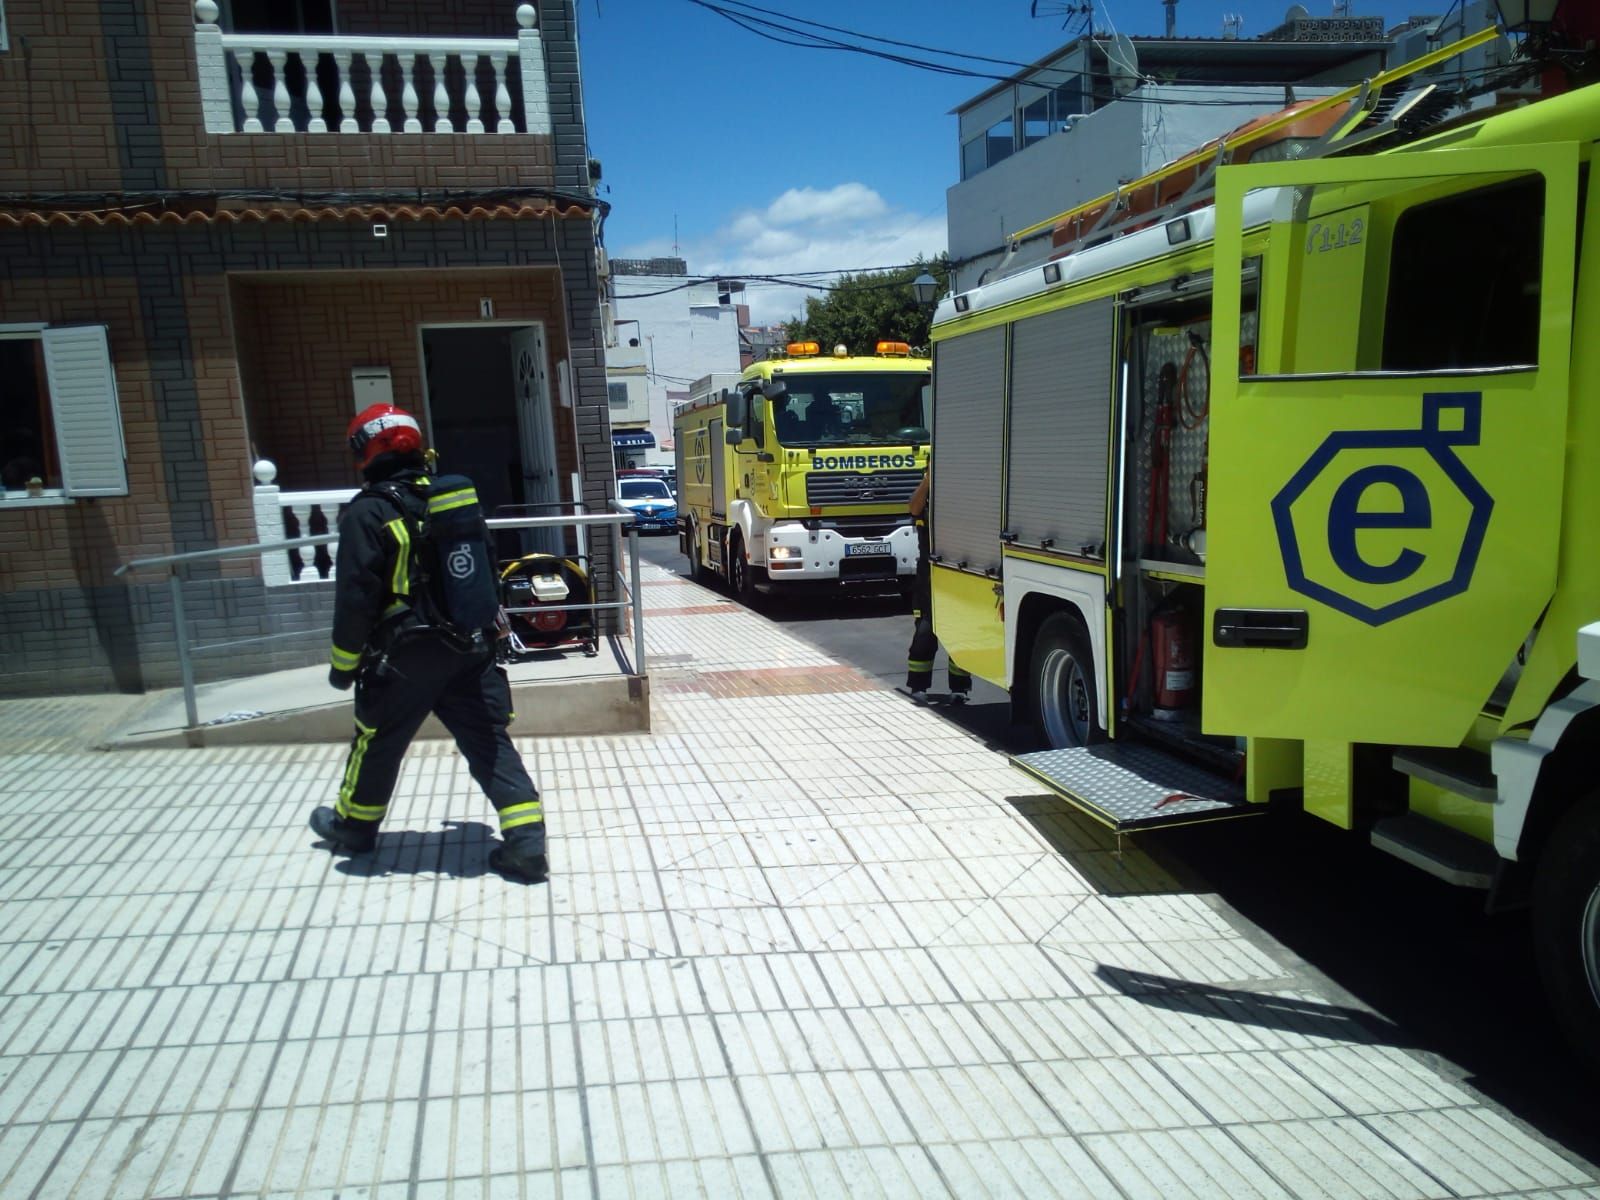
(383,429)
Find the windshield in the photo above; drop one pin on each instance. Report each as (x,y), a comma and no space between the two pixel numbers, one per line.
(644,489)
(851,410)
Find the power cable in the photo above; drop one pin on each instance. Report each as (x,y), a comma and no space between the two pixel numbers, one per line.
(782,31)
(793,279)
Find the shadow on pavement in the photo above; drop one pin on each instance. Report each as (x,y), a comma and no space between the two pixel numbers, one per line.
(1110,866)
(826,607)
(460,848)
(1264,1010)
(1422,954)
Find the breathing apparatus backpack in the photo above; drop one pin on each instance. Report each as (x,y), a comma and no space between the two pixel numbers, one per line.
(452,577)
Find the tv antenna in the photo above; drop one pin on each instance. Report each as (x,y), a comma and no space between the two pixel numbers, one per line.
(1065,9)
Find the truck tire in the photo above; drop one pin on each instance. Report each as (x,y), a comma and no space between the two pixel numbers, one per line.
(1566,924)
(1061,670)
(741,579)
(698,571)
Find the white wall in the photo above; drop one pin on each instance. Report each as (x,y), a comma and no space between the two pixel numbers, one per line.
(684,334)
(1117,143)
(637,410)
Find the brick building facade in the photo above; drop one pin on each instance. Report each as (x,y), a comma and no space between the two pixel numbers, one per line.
(241,279)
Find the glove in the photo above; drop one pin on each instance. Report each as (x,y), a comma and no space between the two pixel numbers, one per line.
(343,680)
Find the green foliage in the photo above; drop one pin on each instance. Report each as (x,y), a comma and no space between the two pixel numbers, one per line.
(874,306)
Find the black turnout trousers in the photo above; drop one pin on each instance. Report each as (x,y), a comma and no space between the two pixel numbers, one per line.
(471,697)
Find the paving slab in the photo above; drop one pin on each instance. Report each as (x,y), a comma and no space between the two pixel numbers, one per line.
(802,938)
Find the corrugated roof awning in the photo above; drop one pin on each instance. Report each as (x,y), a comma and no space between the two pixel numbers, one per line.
(15,218)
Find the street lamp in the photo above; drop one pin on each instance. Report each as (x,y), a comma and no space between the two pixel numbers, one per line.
(926,289)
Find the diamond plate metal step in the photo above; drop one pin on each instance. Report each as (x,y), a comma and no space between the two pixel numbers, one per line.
(1465,772)
(1449,854)
(1128,788)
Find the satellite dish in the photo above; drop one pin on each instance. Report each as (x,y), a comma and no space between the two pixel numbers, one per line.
(1297,12)
(1123,62)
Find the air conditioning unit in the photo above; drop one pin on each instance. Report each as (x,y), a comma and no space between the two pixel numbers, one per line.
(602,262)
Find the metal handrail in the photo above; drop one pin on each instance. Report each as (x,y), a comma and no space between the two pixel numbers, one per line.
(175,563)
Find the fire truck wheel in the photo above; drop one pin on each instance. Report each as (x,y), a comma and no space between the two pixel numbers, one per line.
(697,567)
(1566,924)
(1064,709)
(740,581)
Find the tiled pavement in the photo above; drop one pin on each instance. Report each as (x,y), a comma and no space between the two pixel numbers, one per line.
(805,939)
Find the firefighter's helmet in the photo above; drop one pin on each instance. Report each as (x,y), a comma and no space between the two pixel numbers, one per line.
(383,429)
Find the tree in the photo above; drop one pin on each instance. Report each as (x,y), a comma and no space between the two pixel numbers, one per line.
(862,310)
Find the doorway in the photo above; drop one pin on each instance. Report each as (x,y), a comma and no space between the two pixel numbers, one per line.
(491,417)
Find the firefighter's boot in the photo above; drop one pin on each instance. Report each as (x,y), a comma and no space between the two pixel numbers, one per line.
(350,837)
(520,862)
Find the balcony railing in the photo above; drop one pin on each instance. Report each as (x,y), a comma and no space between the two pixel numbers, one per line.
(292,83)
(284,515)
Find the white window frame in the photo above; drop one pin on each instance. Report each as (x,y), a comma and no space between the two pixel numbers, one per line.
(106,481)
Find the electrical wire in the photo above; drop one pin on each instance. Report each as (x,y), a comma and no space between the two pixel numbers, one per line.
(777,26)
(798,279)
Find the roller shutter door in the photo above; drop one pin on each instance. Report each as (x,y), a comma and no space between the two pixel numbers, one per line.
(1061,389)
(968,415)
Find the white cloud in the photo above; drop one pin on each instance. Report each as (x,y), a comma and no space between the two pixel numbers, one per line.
(847,227)
(808,206)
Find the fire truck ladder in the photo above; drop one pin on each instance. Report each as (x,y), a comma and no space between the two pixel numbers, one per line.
(1375,109)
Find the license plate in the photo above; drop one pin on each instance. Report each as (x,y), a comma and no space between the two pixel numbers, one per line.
(858,549)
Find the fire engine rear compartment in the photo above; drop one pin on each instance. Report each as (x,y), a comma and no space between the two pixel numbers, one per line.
(1165,355)
(1161,769)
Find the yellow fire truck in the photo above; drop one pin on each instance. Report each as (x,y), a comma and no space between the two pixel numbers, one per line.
(1281,481)
(800,475)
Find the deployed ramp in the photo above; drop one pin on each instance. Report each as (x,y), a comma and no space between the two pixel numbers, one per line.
(1130,788)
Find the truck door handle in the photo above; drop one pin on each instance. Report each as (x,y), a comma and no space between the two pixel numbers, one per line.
(1262,628)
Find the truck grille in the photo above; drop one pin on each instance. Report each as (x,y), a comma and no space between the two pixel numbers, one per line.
(861,526)
(854,487)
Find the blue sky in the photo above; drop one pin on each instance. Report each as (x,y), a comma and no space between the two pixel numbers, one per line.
(779,158)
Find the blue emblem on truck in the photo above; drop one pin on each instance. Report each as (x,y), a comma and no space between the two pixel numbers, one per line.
(1380,523)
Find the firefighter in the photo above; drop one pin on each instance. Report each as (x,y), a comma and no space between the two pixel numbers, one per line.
(924,644)
(402,669)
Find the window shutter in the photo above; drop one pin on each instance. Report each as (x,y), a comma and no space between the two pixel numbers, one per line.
(83,396)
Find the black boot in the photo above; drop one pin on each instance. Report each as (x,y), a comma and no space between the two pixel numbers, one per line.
(351,837)
(518,862)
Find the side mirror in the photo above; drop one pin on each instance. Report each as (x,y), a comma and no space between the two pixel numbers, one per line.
(774,388)
(733,435)
(736,407)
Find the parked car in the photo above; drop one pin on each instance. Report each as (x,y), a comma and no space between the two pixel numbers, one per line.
(668,475)
(652,501)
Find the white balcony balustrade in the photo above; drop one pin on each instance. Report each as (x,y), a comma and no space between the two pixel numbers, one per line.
(281,516)
(297,84)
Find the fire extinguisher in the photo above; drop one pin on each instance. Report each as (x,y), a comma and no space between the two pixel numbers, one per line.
(1174,659)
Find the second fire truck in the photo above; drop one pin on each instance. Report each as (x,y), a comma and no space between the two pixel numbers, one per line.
(800,474)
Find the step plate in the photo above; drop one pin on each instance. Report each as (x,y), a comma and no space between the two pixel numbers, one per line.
(1135,787)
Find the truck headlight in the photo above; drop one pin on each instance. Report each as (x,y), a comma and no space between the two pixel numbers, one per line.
(777,553)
